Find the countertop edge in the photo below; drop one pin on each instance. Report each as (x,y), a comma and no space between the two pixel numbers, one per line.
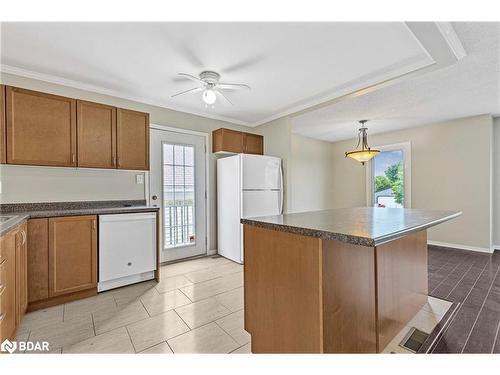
(352,239)
(20,217)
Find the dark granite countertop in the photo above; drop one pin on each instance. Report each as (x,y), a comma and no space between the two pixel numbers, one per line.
(23,211)
(366,226)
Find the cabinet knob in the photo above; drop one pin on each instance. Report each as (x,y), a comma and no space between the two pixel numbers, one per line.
(129,264)
(154,197)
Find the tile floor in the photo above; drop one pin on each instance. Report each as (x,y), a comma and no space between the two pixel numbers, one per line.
(196,308)
(425,320)
(472,279)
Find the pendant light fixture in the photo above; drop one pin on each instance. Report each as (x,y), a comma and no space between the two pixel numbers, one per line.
(365,153)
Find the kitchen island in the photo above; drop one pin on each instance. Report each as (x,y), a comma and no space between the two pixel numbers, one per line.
(335,281)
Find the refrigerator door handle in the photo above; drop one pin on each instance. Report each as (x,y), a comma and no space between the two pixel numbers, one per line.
(281,186)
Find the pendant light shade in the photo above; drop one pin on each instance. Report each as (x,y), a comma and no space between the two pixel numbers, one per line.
(364,153)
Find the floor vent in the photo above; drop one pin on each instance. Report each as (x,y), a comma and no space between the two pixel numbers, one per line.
(413,340)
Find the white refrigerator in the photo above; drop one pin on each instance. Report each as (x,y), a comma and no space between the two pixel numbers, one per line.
(247,186)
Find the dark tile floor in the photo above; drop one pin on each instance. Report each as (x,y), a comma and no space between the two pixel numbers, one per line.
(473,279)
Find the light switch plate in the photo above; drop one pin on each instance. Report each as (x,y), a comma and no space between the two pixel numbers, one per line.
(139,179)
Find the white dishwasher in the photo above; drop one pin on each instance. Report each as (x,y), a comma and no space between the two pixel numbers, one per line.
(127,249)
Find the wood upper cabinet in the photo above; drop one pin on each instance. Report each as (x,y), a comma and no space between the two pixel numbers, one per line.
(38,259)
(3,148)
(41,128)
(253,144)
(8,285)
(72,254)
(228,140)
(96,135)
(132,136)
(21,272)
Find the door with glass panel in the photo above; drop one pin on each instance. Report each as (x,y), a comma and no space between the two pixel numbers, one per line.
(177,186)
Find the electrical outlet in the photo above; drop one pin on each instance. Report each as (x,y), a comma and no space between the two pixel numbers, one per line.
(139,179)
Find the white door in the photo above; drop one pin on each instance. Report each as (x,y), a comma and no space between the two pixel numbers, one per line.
(178,187)
(261,172)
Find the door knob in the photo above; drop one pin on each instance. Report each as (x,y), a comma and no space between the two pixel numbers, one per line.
(154,197)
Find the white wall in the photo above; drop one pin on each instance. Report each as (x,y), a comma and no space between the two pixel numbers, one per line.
(451,170)
(311,174)
(496,183)
(46,184)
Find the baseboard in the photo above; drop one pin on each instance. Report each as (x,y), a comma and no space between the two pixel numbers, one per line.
(212,252)
(496,247)
(461,247)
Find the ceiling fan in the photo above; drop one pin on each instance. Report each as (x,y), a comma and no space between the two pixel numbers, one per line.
(210,86)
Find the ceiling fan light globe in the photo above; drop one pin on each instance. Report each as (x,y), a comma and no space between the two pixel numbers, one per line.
(209,96)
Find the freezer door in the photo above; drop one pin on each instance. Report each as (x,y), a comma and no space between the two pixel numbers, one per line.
(261,203)
(261,172)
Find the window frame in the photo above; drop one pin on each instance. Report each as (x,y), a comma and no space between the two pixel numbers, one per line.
(406,148)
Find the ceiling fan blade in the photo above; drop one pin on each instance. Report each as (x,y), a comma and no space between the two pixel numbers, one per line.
(233,86)
(224,96)
(196,89)
(191,77)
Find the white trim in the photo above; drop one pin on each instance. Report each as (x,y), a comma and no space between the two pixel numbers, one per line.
(452,39)
(460,246)
(496,247)
(207,172)
(212,252)
(406,147)
(110,92)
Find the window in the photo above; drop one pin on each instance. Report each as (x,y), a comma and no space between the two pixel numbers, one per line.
(388,177)
(178,195)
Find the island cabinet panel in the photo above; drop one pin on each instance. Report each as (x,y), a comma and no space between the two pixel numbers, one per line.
(283,291)
(38,260)
(72,254)
(21,272)
(41,128)
(348,298)
(132,132)
(8,286)
(3,148)
(96,130)
(402,283)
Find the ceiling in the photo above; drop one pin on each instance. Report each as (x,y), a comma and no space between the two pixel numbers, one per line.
(470,86)
(290,66)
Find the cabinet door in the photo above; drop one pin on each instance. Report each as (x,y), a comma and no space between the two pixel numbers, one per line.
(8,286)
(21,273)
(132,135)
(231,141)
(41,128)
(96,135)
(253,144)
(72,254)
(3,141)
(38,259)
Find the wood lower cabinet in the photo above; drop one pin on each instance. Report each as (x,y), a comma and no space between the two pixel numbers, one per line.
(38,260)
(96,135)
(41,128)
(132,139)
(72,254)
(8,285)
(21,272)
(232,141)
(3,151)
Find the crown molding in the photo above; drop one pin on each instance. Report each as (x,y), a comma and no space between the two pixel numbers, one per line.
(9,69)
(452,39)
